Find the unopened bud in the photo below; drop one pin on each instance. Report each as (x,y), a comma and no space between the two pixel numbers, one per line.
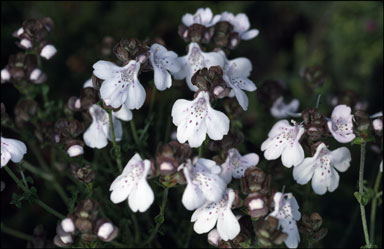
(67,225)
(214,238)
(48,51)
(5,75)
(25,43)
(75,150)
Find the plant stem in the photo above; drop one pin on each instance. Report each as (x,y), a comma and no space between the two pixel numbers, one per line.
(15,233)
(162,210)
(136,226)
(116,147)
(134,133)
(373,207)
(361,189)
(318,101)
(23,177)
(39,202)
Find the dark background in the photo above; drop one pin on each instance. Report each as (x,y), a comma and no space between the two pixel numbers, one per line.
(344,38)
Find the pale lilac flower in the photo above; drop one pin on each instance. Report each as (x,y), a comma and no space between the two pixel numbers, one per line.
(196,60)
(240,24)
(163,62)
(283,140)
(287,212)
(99,131)
(236,164)
(132,184)
(281,110)
(202,16)
(203,183)
(12,149)
(236,73)
(321,168)
(194,119)
(48,51)
(120,84)
(205,217)
(341,125)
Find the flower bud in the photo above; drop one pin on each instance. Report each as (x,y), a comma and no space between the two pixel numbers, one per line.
(89,96)
(377,125)
(25,44)
(254,180)
(268,233)
(315,124)
(74,103)
(105,230)
(85,174)
(5,75)
(83,224)
(196,32)
(257,205)
(88,237)
(75,150)
(48,51)
(37,76)
(63,241)
(363,124)
(67,225)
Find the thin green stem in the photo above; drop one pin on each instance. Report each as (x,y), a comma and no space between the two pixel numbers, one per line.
(161,214)
(361,189)
(318,101)
(373,207)
(134,133)
(15,233)
(23,177)
(136,226)
(116,147)
(39,202)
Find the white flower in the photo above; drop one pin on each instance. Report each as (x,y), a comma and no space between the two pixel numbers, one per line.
(377,124)
(132,184)
(5,75)
(341,125)
(205,217)
(236,73)
(287,212)
(123,114)
(235,165)
(283,140)
(194,119)
(25,43)
(163,61)
(203,183)
(99,131)
(281,110)
(196,60)
(321,168)
(12,149)
(240,24)
(202,16)
(67,225)
(120,84)
(75,150)
(48,51)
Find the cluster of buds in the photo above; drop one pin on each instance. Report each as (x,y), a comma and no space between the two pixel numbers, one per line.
(377,125)
(25,110)
(315,124)
(133,49)
(168,158)
(313,76)
(66,133)
(84,174)
(211,80)
(362,124)
(309,226)
(33,35)
(88,97)
(224,36)
(256,184)
(22,68)
(85,223)
(196,33)
(268,232)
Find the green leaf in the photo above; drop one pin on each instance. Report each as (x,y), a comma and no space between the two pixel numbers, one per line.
(245,244)
(357,140)
(362,199)
(159,219)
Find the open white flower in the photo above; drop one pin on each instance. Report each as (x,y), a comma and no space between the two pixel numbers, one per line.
(321,168)
(203,183)
(99,131)
(341,125)
(12,149)
(287,212)
(132,184)
(163,61)
(196,60)
(202,16)
(236,73)
(194,119)
(283,140)
(280,109)
(205,217)
(120,84)
(235,165)
(240,24)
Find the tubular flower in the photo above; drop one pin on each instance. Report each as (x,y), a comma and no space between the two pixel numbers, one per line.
(281,110)
(132,184)
(321,168)
(202,16)
(283,140)
(341,125)
(12,149)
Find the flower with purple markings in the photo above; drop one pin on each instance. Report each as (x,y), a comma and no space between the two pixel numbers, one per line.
(12,149)
(341,125)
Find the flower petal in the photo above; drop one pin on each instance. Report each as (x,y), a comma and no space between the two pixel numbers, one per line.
(292,155)
(341,158)
(192,197)
(180,111)
(15,148)
(239,67)
(141,197)
(113,93)
(94,136)
(105,69)
(121,187)
(303,172)
(227,225)
(136,95)
(206,217)
(250,34)
(217,124)
(5,156)
(124,113)
(162,79)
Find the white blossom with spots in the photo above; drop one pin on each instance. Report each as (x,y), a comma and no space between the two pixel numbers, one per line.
(321,168)
(203,183)
(240,24)
(196,60)
(132,184)
(202,16)
(163,61)
(12,149)
(283,140)
(194,119)
(287,212)
(236,73)
(236,164)
(219,212)
(280,109)
(98,133)
(120,84)
(341,125)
